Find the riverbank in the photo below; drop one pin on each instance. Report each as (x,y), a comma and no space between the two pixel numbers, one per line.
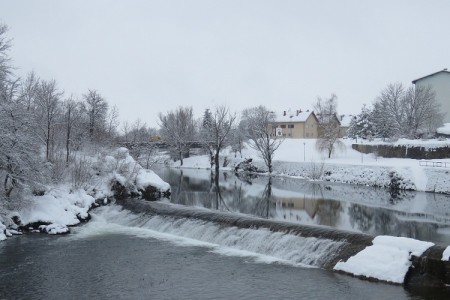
(300,158)
(67,204)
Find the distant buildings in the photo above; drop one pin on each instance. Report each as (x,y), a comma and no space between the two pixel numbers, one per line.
(296,124)
(440,83)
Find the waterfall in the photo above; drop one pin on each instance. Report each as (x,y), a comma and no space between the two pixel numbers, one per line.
(260,243)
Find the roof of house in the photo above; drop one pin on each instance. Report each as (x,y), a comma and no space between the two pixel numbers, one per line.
(442,71)
(293,116)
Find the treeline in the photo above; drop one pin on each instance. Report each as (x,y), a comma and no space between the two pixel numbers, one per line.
(42,129)
(399,112)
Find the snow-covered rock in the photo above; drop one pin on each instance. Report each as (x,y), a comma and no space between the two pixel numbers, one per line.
(388,259)
(60,206)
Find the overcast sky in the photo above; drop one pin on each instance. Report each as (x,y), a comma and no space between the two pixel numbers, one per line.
(147,57)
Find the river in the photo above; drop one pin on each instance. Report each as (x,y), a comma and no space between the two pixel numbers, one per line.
(125,255)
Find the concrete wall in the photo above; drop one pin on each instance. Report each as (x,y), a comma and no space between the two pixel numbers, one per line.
(404,151)
(441,85)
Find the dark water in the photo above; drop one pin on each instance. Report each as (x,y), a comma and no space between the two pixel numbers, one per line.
(121,265)
(124,255)
(375,211)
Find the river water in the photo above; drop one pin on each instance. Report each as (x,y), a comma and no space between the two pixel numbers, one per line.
(124,255)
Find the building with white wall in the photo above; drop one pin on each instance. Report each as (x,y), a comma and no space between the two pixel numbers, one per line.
(440,83)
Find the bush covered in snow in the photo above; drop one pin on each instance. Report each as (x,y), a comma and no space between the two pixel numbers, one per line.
(86,179)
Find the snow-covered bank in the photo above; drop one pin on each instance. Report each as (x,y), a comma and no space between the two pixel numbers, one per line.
(68,204)
(300,158)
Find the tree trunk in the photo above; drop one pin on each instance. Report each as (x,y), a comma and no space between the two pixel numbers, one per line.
(216,160)
(181,158)
(68,144)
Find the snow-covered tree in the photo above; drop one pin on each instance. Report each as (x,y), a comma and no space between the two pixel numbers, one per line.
(257,121)
(406,112)
(362,126)
(20,162)
(178,130)
(384,127)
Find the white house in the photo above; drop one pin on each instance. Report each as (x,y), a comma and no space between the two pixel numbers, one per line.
(440,83)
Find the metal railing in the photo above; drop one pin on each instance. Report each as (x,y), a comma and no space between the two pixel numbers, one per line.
(437,164)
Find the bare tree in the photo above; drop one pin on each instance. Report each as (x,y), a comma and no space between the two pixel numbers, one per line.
(205,135)
(112,121)
(324,108)
(420,108)
(222,123)
(257,120)
(97,109)
(72,120)
(178,130)
(48,109)
(329,125)
(329,140)
(29,90)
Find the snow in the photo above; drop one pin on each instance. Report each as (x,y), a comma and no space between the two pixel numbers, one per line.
(300,158)
(388,259)
(292,116)
(148,177)
(444,129)
(62,206)
(54,229)
(446,254)
(2,231)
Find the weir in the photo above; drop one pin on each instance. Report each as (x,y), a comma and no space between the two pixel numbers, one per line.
(299,244)
(332,245)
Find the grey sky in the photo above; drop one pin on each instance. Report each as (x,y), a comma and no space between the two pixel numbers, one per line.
(147,57)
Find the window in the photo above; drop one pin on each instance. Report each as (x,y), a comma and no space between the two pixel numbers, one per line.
(291,126)
(283,126)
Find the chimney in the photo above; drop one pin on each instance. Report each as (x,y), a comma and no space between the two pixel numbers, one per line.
(284,113)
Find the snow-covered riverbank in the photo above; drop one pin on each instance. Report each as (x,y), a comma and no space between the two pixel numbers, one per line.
(299,158)
(68,204)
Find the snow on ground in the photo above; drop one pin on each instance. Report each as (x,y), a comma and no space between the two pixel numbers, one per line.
(59,206)
(300,158)
(388,259)
(444,129)
(446,254)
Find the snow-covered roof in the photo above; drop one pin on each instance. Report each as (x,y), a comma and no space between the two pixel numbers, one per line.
(442,71)
(292,116)
(444,129)
(345,120)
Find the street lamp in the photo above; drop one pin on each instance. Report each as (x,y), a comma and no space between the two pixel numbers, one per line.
(304,151)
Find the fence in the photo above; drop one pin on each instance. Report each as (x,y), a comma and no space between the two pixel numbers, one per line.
(437,164)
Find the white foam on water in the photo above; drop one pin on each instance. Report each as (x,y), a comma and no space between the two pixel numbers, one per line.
(261,245)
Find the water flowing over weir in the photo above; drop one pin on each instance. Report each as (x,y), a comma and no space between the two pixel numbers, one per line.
(292,243)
